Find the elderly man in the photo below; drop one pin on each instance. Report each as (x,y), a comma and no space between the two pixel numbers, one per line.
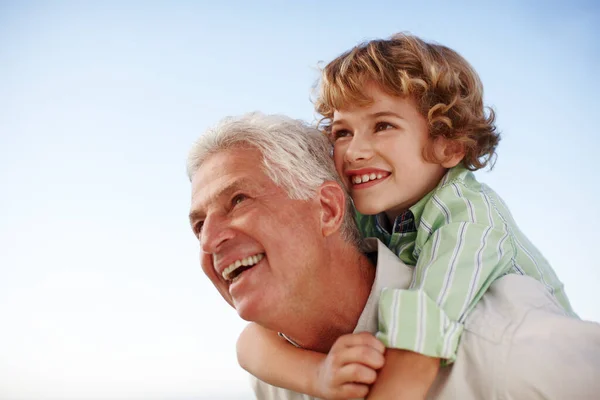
(279,244)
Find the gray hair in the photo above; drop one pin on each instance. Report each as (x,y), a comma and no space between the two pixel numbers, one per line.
(296,156)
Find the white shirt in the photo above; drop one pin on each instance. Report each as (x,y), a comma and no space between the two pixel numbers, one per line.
(517,343)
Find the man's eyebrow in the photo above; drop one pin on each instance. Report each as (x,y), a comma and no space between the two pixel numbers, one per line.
(238,184)
(195,216)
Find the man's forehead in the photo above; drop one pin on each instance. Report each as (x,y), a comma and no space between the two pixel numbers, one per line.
(219,191)
(226,166)
(233,158)
(209,187)
(227,172)
(225,185)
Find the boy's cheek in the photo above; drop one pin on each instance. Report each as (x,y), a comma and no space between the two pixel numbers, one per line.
(338,160)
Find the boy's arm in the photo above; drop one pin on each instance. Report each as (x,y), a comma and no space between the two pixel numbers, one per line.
(458,259)
(271,359)
(344,373)
(406,375)
(456,265)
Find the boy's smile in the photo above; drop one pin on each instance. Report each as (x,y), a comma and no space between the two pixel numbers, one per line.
(366,177)
(378,151)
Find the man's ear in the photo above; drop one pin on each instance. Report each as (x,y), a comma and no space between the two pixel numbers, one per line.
(332,200)
(449,152)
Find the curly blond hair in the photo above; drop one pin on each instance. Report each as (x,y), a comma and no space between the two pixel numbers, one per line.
(446,89)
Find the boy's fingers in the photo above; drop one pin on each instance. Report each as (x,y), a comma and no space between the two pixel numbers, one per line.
(354,391)
(364,354)
(358,339)
(357,373)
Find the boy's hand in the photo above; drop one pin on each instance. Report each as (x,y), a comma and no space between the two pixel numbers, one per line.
(350,367)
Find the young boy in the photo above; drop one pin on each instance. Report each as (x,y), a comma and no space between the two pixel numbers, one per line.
(408,126)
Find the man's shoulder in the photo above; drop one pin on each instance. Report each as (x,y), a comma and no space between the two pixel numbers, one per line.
(376,250)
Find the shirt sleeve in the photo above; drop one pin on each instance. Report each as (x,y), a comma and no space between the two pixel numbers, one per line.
(465,248)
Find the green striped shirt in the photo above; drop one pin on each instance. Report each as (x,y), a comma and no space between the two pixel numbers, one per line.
(459,238)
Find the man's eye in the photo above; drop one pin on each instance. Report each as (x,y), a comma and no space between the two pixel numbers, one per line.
(382,126)
(198,227)
(238,198)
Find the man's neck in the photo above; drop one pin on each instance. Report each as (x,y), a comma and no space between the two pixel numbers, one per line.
(336,303)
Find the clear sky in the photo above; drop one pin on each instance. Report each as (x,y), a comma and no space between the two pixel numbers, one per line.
(101,292)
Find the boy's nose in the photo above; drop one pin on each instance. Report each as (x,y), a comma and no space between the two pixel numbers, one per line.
(359,149)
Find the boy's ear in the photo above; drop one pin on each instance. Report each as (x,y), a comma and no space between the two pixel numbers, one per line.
(332,199)
(449,152)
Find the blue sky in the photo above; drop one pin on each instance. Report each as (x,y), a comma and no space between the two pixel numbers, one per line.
(101,292)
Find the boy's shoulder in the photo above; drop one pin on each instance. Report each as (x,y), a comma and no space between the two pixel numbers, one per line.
(458,197)
(460,176)
(458,184)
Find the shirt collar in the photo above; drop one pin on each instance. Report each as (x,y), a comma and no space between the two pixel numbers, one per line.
(403,223)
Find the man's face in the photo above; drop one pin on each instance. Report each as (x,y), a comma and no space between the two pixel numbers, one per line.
(258,246)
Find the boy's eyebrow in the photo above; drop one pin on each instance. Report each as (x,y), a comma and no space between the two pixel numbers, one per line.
(386,114)
(337,122)
(378,114)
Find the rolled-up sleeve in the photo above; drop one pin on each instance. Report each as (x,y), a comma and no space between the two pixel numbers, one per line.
(457,263)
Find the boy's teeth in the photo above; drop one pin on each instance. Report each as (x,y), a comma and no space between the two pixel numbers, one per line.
(248,261)
(356,179)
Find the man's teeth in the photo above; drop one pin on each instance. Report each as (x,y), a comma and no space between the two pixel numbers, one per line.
(366,177)
(246,262)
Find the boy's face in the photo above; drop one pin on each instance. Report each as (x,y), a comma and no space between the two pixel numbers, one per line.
(378,151)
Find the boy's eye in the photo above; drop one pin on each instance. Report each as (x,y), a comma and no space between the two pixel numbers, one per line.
(340,133)
(238,198)
(382,126)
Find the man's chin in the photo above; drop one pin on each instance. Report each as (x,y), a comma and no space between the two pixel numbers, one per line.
(224,292)
(248,310)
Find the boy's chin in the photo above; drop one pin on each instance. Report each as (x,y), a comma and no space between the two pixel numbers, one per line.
(369,210)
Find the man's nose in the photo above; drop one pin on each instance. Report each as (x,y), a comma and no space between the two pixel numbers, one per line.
(215,232)
(359,149)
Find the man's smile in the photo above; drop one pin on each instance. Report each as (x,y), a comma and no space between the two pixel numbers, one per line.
(234,270)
